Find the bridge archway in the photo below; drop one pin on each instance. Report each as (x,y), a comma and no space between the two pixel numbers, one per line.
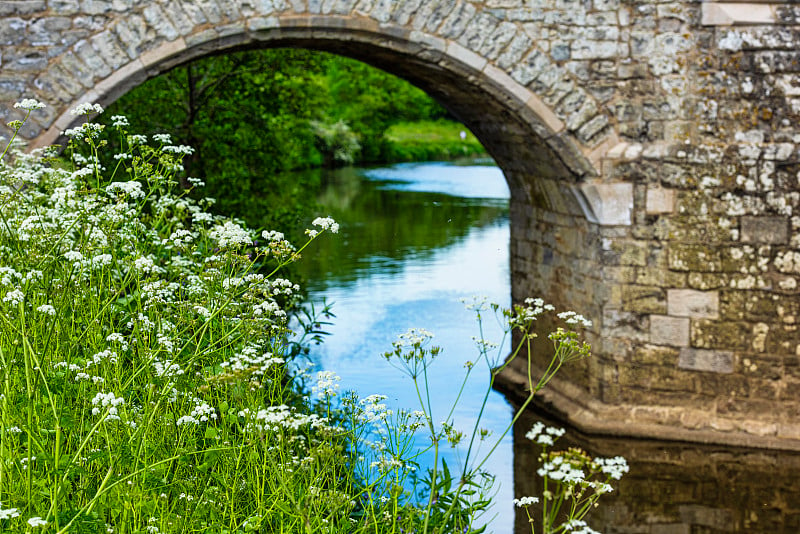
(640,196)
(544,164)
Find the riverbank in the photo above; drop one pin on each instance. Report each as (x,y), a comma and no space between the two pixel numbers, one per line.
(439,140)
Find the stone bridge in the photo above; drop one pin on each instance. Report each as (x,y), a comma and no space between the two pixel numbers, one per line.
(650,146)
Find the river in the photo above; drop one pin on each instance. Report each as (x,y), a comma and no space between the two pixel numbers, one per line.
(414,240)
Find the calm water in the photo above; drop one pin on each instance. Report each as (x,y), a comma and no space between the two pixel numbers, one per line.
(416,238)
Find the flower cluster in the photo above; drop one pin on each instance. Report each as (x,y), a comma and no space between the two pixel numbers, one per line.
(570,476)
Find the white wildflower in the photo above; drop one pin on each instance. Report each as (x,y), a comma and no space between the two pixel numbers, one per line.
(29,104)
(231,234)
(15,297)
(36,522)
(87,109)
(326,223)
(9,513)
(132,189)
(46,309)
(119,120)
(327,384)
(525,501)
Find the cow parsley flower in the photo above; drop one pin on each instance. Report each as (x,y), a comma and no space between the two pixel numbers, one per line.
(87,109)
(327,384)
(36,522)
(572,318)
(109,401)
(577,526)
(46,309)
(29,104)
(326,223)
(614,467)
(15,297)
(9,513)
(525,501)
(119,121)
(179,149)
(230,234)
(200,414)
(131,189)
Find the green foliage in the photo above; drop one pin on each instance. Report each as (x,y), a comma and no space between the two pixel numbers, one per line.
(251,116)
(336,142)
(430,141)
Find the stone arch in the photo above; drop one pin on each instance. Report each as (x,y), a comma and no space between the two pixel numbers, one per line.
(538,146)
(548,135)
(640,194)
(525,135)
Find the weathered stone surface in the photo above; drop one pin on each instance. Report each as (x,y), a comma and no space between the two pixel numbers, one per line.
(660,200)
(773,230)
(666,330)
(609,204)
(692,303)
(706,360)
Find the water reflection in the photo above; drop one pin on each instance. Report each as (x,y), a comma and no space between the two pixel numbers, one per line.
(678,488)
(390,216)
(414,239)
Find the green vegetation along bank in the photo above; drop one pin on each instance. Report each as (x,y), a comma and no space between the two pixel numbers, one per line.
(252,116)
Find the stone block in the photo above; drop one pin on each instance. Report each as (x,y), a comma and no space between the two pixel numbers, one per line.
(705,360)
(670,528)
(133,35)
(497,41)
(109,48)
(93,60)
(262,23)
(659,200)
(644,299)
(465,56)
(589,130)
(530,67)
(666,330)
(516,49)
(158,20)
(728,13)
(477,31)
(405,11)
(608,204)
(431,15)
(693,303)
(764,230)
(594,49)
(183,23)
(455,24)
(21,7)
(210,9)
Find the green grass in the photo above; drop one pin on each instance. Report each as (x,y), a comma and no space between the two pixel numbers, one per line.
(431,140)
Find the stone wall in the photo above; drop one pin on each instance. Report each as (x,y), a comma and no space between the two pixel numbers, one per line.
(650,148)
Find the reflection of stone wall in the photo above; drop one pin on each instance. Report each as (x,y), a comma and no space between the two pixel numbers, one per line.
(651,150)
(677,488)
